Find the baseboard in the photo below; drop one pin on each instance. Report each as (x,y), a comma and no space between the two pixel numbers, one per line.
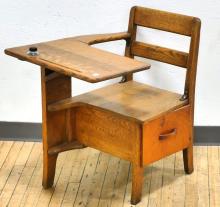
(207,135)
(22,131)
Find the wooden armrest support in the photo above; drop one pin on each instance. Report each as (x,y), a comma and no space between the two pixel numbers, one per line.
(99,38)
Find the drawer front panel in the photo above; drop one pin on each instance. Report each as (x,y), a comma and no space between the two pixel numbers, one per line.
(166,135)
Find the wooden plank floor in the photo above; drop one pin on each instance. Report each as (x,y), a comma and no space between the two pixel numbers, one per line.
(89,178)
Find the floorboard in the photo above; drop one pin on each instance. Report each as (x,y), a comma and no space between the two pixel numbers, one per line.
(91,178)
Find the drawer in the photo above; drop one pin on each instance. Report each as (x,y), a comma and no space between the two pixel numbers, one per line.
(166,135)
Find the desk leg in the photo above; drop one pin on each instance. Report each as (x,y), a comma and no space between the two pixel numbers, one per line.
(188,159)
(53,123)
(188,154)
(137,183)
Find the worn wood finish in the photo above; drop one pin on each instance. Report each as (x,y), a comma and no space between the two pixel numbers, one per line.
(162,20)
(53,133)
(107,132)
(137,183)
(162,54)
(190,89)
(132,30)
(180,24)
(133,100)
(178,120)
(188,158)
(100,38)
(65,147)
(130,120)
(78,175)
(74,57)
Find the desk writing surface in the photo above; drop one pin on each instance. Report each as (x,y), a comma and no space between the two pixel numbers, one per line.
(76,58)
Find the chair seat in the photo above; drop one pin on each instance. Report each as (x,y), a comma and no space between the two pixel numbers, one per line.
(131,99)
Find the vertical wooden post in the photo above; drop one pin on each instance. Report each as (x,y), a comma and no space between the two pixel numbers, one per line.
(132,29)
(53,123)
(188,159)
(137,183)
(190,88)
(188,152)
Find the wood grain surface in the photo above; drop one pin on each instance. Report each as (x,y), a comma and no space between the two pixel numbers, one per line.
(130,120)
(74,57)
(134,100)
(79,172)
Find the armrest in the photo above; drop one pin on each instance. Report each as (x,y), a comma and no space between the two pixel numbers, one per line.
(99,38)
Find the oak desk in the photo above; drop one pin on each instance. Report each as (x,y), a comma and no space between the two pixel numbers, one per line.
(130,120)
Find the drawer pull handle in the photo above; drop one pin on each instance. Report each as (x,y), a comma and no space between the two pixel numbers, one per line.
(164,136)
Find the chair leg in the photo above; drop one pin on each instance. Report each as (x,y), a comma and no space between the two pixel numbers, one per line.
(137,183)
(188,159)
(49,167)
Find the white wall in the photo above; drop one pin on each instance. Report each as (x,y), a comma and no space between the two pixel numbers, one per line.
(24,22)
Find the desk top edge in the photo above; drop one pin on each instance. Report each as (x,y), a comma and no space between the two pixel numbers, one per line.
(85,40)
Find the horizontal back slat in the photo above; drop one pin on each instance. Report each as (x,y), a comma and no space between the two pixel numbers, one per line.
(162,54)
(166,21)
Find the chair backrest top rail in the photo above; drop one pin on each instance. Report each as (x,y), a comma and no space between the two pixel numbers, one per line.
(162,20)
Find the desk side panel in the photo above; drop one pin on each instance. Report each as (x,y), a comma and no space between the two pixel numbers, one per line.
(108,133)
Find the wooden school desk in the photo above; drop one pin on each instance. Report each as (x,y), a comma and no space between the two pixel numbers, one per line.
(130,120)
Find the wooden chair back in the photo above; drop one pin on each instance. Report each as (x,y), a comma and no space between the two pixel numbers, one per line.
(170,22)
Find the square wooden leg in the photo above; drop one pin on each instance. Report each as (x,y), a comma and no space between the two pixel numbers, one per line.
(54,88)
(188,159)
(49,167)
(137,183)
